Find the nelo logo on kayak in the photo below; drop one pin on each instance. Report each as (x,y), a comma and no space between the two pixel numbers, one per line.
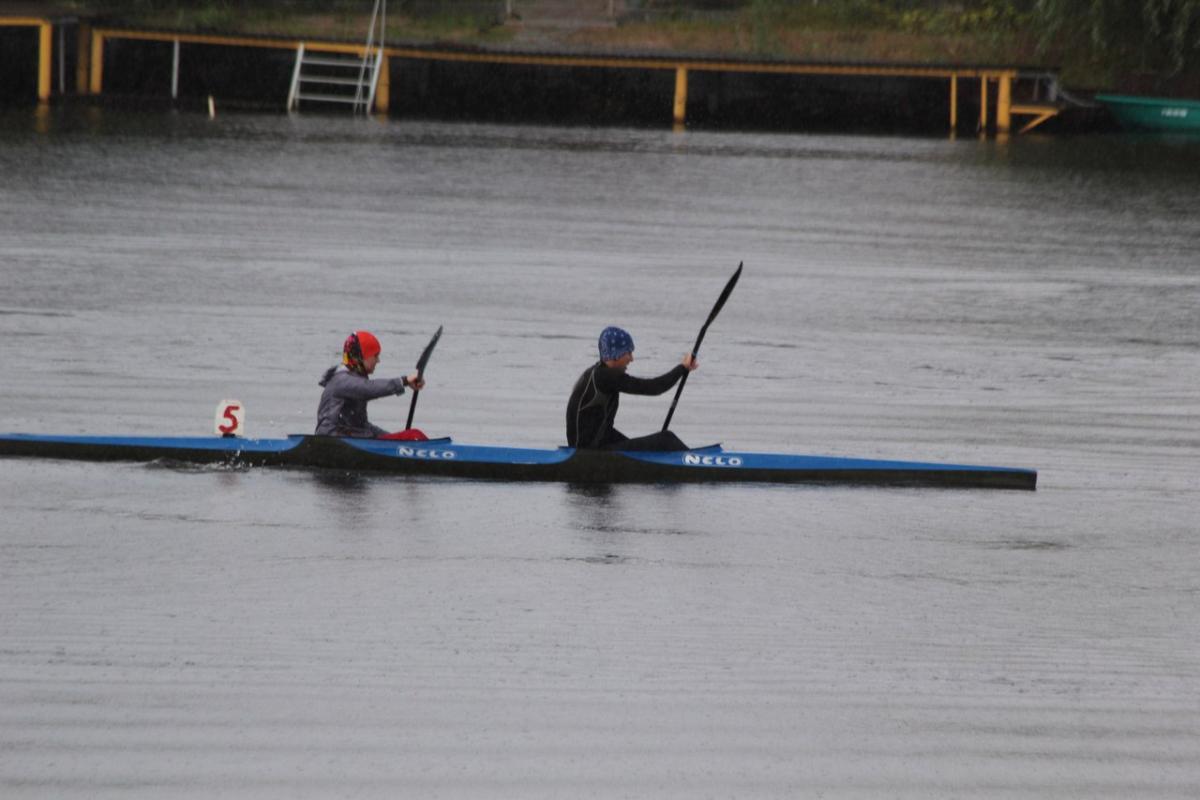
(423,452)
(712,461)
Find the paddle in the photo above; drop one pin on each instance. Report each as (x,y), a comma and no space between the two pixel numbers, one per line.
(696,349)
(421,362)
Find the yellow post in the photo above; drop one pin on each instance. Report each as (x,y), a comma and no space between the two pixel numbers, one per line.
(45,35)
(1004,104)
(680,95)
(983,103)
(84,60)
(954,102)
(383,90)
(97,62)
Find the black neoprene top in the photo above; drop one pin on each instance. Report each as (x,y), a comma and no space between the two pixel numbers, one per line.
(596,396)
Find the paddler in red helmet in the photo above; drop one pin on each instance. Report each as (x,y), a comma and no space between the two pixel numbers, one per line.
(348,389)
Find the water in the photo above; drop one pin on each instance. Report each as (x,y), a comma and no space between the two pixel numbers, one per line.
(171,631)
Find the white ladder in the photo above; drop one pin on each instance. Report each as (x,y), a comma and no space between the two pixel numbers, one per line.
(323,76)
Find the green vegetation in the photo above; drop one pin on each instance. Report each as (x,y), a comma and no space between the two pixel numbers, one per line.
(1154,44)
(1160,37)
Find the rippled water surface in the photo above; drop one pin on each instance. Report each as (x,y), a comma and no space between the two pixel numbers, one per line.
(171,631)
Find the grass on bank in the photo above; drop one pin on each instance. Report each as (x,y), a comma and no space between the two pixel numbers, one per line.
(342,25)
(920,31)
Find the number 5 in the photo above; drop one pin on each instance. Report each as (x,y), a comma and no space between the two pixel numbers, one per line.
(230,419)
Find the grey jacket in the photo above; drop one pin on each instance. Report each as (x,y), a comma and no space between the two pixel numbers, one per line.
(343,409)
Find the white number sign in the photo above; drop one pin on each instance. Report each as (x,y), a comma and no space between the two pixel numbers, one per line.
(231,418)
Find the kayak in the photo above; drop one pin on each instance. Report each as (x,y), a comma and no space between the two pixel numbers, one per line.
(449,459)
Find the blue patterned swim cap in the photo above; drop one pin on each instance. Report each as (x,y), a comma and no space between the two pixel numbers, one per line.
(614,343)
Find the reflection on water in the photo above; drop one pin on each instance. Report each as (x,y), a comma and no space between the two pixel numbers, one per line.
(596,513)
(590,495)
(351,486)
(609,515)
(346,499)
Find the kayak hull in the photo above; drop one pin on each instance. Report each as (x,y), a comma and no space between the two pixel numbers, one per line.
(445,458)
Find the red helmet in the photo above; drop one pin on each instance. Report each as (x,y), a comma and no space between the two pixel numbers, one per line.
(367,343)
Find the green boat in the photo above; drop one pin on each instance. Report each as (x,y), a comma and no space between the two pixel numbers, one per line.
(1153,113)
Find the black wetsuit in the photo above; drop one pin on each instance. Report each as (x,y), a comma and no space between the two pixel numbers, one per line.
(593,408)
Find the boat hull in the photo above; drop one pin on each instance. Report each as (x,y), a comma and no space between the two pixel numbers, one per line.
(1153,113)
(449,459)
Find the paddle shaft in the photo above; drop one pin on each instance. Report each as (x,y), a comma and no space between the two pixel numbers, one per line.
(421,362)
(703,330)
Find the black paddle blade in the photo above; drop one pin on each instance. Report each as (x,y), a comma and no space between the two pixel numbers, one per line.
(428,351)
(728,290)
(421,362)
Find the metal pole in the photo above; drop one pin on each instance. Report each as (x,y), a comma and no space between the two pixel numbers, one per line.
(1004,104)
(97,76)
(983,103)
(175,73)
(681,88)
(954,102)
(45,41)
(293,101)
(62,59)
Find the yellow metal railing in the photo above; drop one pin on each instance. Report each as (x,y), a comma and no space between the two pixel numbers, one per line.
(1002,77)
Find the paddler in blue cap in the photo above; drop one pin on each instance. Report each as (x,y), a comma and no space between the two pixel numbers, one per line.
(592,408)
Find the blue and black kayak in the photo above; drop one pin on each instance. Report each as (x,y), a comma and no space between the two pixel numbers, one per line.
(449,459)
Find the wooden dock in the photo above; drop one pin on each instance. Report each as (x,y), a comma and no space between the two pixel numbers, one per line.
(995,84)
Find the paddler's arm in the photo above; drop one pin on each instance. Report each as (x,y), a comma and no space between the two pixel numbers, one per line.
(652,386)
(413,381)
(363,389)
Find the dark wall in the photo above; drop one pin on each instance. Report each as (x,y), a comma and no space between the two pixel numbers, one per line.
(818,102)
(18,65)
(241,75)
(521,93)
(452,90)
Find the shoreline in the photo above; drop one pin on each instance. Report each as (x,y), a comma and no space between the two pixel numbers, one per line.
(515,85)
